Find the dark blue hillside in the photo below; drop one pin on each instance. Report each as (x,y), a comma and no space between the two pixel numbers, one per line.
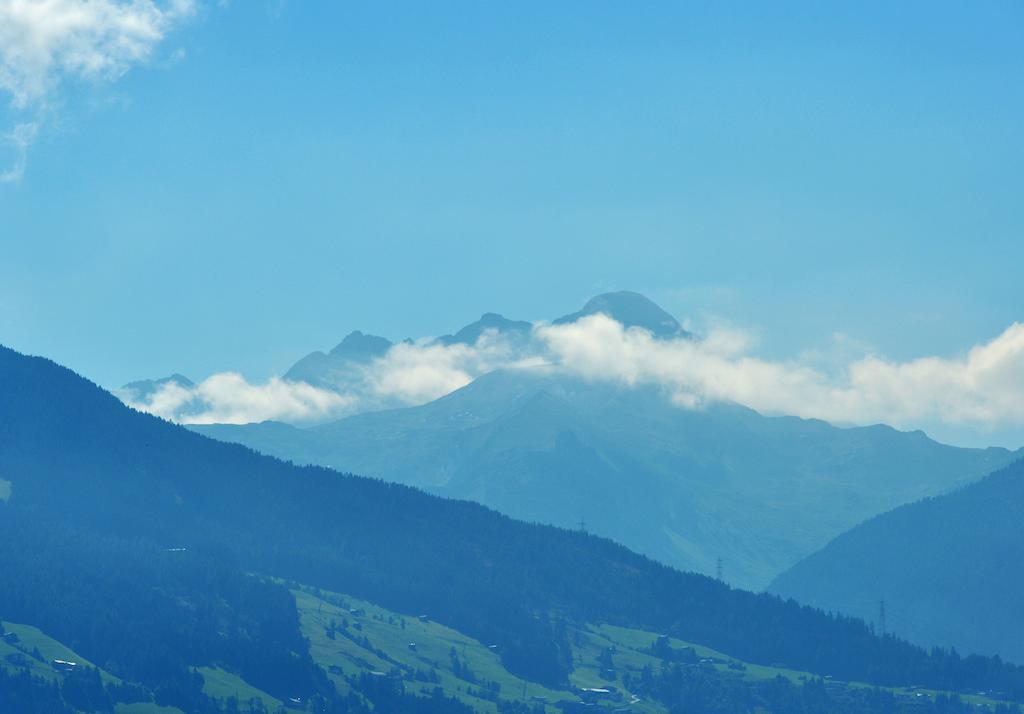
(949,568)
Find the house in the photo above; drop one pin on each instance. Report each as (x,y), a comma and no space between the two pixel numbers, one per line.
(593,694)
(335,669)
(412,646)
(294,703)
(424,618)
(63,665)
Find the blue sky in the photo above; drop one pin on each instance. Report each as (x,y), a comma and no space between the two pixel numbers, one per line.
(277,174)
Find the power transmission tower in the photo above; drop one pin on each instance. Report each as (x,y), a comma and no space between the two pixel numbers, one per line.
(881,616)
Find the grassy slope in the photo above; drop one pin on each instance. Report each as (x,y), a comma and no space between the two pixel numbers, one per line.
(29,639)
(385,632)
(389,652)
(221,684)
(145,708)
(389,635)
(217,682)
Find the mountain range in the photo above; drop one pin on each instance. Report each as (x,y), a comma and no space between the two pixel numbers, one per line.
(341,368)
(709,489)
(173,560)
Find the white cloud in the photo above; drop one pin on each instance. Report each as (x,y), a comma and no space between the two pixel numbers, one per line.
(715,368)
(420,372)
(408,374)
(227,398)
(45,43)
(983,388)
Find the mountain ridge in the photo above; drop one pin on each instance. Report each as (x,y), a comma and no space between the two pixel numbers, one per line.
(338,368)
(719,482)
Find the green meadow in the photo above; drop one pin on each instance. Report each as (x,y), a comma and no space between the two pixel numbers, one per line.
(351,638)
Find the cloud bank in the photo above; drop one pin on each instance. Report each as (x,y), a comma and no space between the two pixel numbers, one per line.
(227,398)
(46,43)
(421,372)
(983,388)
(408,374)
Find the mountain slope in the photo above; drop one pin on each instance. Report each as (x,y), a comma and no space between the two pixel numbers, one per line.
(948,569)
(612,666)
(683,486)
(103,499)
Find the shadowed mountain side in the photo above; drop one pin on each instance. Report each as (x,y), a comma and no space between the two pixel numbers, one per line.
(948,569)
(683,486)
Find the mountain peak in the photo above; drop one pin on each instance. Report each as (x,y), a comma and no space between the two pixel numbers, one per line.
(632,310)
(143,390)
(469,334)
(361,347)
(492,318)
(180,380)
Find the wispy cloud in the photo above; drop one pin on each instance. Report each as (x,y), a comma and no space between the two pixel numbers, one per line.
(46,43)
(18,140)
(983,388)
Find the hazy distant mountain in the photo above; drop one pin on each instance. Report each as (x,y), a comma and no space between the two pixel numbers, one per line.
(341,366)
(144,389)
(949,569)
(684,486)
(156,551)
(148,392)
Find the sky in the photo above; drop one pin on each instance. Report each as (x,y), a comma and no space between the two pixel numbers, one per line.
(206,186)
